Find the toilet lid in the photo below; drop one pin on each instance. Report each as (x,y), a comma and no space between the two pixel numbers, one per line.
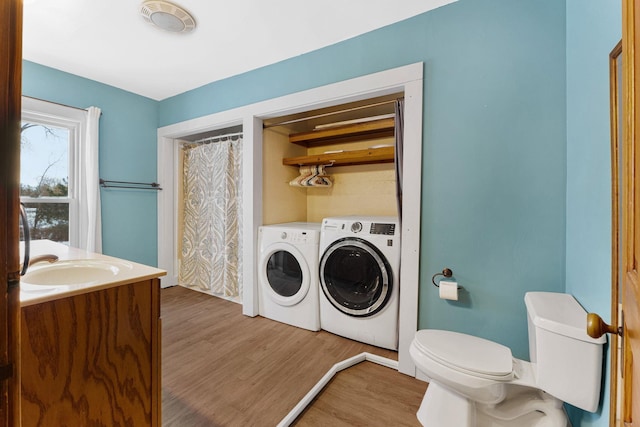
(465,352)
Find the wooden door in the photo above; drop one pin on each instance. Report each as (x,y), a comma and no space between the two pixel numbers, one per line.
(11,88)
(630,235)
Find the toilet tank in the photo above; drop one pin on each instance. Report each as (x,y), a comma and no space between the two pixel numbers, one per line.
(567,362)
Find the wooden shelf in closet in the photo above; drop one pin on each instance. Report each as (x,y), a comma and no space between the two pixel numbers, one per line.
(345,158)
(374,129)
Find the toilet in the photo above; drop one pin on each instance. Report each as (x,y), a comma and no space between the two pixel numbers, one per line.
(474,382)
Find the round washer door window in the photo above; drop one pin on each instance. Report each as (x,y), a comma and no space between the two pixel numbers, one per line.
(355,277)
(284,274)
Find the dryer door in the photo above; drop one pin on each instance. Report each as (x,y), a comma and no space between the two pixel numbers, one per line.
(284,274)
(355,277)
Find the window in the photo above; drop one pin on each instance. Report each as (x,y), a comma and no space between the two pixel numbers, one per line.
(49,178)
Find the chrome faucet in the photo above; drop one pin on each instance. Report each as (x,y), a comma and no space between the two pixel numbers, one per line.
(27,239)
(28,260)
(40,258)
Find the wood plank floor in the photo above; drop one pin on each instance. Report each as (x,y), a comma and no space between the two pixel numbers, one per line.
(220,368)
(366,394)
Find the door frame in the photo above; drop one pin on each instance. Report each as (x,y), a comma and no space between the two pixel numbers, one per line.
(11,90)
(615,86)
(629,230)
(407,79)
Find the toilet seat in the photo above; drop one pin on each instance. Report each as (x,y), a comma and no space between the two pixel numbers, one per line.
(471,355)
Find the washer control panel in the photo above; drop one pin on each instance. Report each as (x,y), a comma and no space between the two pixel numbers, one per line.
(372,226)
(379,228)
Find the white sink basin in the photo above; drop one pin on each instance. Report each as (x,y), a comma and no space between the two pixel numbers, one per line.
(75,272)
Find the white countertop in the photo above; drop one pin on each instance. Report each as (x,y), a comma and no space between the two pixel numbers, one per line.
(31,294)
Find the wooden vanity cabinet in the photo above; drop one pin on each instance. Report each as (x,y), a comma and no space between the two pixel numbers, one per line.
(93,359)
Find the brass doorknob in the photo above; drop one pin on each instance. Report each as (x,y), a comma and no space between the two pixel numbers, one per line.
(596,327)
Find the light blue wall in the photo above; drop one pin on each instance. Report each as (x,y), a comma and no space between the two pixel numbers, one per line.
(128,129)
(494,147)
(593,29)
(494,164)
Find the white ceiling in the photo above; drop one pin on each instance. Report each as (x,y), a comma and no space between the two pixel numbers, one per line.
(108,41)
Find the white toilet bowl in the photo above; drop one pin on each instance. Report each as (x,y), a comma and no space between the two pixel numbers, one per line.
(476,382)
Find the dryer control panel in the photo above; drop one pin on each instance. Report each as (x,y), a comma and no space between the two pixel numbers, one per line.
(299,237)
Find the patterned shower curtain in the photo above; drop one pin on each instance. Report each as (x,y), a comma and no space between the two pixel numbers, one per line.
(212,239)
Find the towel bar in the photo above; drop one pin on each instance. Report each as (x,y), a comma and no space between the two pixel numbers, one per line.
(128,184)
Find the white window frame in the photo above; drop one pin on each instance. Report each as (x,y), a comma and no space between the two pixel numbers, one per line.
(73,119)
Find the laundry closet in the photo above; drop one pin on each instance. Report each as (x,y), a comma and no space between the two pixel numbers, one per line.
(329,246)
(352,143)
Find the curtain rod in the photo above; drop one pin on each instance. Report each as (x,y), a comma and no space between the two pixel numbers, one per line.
(212,138)
(56,103)
(287,122)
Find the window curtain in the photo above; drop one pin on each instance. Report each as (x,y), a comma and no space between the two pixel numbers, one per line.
(89,194)
(212,202)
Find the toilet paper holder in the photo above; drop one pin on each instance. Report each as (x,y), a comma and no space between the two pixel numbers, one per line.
(446,272)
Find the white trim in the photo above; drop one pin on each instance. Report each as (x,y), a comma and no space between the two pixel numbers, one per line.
(320,385)
(411,216)
(407,79)
(167,203)
(45,199)
(251,210)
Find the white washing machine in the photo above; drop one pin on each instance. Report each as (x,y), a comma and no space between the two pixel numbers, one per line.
(359,271)
(288,273)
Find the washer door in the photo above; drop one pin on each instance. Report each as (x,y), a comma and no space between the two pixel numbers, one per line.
(355,277)
(284,274)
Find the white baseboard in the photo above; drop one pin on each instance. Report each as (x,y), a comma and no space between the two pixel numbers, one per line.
(308,398)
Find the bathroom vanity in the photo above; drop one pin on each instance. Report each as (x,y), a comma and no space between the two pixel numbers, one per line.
(90,341)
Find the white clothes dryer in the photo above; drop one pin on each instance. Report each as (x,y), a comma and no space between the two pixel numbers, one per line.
(288,273)
(359,271)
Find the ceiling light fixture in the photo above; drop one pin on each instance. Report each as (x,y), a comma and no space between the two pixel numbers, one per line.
(167,16)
